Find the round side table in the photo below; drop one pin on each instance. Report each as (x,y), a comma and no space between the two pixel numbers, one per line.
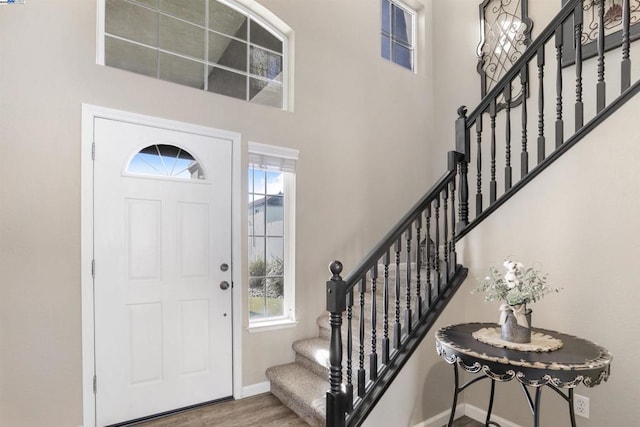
(578,361)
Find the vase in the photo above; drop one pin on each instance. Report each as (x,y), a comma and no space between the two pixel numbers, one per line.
(513,332)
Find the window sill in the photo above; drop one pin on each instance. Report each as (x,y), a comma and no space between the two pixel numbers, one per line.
(272,325)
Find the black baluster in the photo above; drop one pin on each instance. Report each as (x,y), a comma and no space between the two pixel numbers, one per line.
(436,249)
(349,385)
(541,139)
(336,305)
(445,232)
(418,223)
(397,329)
(524,155)
(373,356)
(577,41)
(429,257)
(452,241)
(559,121)
(493,185)
(385,305)
(479,165)
(407,311)
(361,372)
(626,62)
(601,86)
(507,168)
(463,146)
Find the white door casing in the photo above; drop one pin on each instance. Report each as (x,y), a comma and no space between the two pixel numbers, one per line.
(163,325)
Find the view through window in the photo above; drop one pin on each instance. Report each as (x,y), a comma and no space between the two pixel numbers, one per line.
(271,244)
(166,161)
(266,243)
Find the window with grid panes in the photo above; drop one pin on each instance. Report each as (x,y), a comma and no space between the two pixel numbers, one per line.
(213,45)
(398,41)
(271,216)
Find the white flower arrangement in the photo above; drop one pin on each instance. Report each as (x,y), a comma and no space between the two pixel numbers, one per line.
(519,285)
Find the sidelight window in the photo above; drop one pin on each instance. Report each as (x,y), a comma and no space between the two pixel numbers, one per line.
(271,228)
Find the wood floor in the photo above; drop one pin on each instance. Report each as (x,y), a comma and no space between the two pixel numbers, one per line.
(467,422)
(261,410)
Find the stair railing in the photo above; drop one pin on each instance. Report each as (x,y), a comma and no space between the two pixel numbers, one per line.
(426,272)
(420,254)
(579,27)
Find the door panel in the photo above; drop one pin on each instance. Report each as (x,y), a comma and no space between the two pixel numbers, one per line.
(194,244)
(163,325)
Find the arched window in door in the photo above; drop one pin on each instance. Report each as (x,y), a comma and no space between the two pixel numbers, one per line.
(167,161)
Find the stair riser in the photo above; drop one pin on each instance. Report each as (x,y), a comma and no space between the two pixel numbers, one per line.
(309,416)
(312,365)
(315,357)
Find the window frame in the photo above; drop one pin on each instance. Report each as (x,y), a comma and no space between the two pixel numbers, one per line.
(288,319)
(284,36)
(413,12)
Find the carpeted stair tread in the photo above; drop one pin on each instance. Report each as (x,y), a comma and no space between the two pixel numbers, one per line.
(302,385)
(301,390)
(313,354)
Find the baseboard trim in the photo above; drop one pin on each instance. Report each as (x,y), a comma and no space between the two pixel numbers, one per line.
(470,411)
(442,418)
(253,389)
(480,415)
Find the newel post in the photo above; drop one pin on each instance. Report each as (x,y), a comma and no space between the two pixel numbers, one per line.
(463,148)
(336,305)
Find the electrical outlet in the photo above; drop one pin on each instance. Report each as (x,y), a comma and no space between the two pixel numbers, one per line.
(581,405)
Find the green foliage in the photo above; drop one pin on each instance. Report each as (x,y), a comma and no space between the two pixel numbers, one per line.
(519,285)
(276,267)
(257,267)
(267,278)
(275,273)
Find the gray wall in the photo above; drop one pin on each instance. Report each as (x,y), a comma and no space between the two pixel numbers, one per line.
(360,124)
(578,220)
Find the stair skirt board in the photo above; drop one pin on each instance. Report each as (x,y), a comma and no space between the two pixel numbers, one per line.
(470,411)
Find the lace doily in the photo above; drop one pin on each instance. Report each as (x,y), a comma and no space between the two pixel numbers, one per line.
(540,342)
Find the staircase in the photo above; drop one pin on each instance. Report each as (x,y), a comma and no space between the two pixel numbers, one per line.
(302,385)
(378,314)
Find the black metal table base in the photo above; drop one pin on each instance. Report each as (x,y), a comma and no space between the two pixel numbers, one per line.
(534,403)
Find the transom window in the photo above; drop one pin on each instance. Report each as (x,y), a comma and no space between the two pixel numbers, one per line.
(398,38)
(165,161)
(213,45)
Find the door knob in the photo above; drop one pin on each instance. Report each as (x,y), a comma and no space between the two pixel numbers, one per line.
(224,285)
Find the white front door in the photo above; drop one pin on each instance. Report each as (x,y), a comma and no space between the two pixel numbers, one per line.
(162,251)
